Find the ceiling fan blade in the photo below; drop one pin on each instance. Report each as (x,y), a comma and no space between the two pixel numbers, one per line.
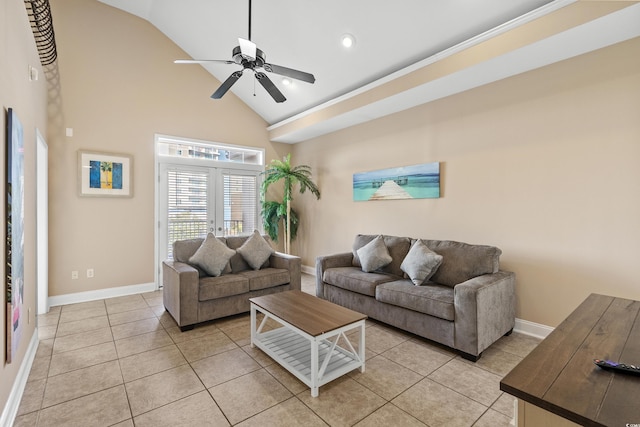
(248,49)
(270,87)
(289,72)
(226,85)
(201,61)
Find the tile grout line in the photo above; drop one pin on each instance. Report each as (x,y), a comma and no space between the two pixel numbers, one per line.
(225,332)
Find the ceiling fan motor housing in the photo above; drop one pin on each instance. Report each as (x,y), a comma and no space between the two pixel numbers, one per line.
(260,60)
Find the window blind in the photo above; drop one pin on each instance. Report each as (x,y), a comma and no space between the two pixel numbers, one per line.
(240,204)
(186,206)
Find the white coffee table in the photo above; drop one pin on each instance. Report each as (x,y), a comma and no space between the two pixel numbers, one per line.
(306,343)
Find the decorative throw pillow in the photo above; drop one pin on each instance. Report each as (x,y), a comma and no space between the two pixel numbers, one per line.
(374,255)
(212,256)
(420,263)
(360,241)
(255,250)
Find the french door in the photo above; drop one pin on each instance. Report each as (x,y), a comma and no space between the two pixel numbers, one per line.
(196,200)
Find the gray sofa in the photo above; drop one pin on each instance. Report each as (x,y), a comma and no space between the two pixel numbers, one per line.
(192,296)
(467,304)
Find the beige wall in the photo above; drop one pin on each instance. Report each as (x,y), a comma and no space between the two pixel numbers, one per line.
(119,87)
(29,100)
(543,165)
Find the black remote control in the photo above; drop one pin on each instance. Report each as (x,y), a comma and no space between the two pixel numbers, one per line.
(618,367)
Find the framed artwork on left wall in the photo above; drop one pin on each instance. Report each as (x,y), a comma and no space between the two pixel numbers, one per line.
(14,248)
(104,174)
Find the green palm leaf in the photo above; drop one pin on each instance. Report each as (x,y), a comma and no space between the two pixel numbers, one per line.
(274,212)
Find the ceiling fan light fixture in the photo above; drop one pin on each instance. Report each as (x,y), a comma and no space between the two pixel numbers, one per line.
(348,40)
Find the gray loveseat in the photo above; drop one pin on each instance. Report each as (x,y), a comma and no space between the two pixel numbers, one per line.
(191,295)
(466,301)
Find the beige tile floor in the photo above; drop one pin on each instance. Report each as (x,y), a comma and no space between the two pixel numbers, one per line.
(124,362)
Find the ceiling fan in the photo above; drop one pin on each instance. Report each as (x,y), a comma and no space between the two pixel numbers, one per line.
(251,58)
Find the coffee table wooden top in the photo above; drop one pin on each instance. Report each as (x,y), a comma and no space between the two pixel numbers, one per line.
(310,314)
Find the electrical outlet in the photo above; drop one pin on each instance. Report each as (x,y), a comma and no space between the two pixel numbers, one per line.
(90,272)
(74,275)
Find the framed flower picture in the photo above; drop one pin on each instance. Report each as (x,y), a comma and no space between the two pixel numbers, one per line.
(104,174)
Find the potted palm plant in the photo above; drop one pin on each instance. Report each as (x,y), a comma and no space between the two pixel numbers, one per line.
(272,211)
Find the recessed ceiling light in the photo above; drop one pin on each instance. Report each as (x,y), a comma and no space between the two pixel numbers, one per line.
(348,40)
(286,81)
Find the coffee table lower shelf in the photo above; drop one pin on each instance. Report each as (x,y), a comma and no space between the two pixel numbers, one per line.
(313,360)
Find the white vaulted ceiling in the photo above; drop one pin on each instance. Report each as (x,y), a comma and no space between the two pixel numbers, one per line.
(399,48)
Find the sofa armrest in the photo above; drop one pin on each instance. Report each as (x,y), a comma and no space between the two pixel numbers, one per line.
(484,310)
(330,261)
(291,263)
(180,291)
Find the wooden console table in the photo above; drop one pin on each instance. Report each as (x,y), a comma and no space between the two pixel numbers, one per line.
(558,384)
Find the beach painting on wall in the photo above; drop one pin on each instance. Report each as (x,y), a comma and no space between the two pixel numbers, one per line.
(15,234)
(405,182)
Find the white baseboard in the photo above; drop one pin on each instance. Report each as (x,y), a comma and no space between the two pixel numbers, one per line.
(101,294)
(10,411)
(532,329)
(308,270)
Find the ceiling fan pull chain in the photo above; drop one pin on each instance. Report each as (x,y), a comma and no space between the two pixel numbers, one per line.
(254,87)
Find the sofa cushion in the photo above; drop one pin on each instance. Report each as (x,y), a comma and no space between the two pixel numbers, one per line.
(222,286)
(374,255)
(398,248)
(184,249)
(356,280)
(462,261)
(212,256)
(420,263)
(266,278)
(238,263)
(434,300)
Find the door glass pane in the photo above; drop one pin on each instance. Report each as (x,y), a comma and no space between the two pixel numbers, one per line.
(240,207)
(186,205)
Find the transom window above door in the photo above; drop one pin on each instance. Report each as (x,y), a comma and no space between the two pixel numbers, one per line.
(192,149)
